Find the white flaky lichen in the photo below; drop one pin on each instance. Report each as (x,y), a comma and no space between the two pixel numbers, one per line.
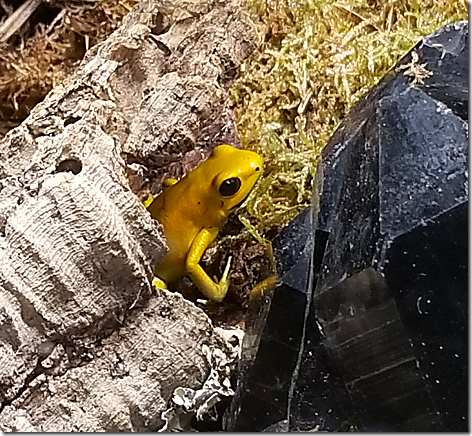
(187,402)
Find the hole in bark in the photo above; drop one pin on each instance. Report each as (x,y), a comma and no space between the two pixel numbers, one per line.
(71,120)
(161,24)
(163,48)
(73,165)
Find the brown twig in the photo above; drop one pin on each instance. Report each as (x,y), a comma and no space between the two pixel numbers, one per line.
(17,19)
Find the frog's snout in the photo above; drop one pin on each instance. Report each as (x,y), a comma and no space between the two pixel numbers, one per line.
(257,165)
(252,170)
(255,162)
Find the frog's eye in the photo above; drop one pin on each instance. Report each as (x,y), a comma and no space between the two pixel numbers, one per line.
(229,187)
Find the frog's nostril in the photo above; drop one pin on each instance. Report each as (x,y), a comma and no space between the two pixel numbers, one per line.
(257,169)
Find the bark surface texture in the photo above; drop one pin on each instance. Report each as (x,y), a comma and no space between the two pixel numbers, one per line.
(85,344)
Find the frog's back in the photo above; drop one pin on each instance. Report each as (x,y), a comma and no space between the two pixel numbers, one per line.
(172,209)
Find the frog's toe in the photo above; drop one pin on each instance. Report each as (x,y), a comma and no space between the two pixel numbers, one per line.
(158,283)
(221,290)
(223,286)
(218,291)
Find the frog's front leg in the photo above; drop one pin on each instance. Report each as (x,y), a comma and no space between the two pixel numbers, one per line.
(213,291)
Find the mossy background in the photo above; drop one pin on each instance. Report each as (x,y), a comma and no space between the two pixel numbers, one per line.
(316,60)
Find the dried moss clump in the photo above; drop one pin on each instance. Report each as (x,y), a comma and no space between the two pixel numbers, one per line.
(47,49)
(317,59)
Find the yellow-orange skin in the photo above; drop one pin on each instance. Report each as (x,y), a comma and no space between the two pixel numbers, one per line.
(192,212)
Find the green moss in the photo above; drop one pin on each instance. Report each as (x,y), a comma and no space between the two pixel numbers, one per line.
(316,60)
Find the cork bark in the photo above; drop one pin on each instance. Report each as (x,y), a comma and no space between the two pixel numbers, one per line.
(85,343)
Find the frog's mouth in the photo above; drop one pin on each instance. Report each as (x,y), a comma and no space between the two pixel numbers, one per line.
(241,202)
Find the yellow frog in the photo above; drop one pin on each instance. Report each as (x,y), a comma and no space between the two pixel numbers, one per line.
(194,209)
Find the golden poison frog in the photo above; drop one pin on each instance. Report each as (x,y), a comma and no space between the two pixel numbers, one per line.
(194,209)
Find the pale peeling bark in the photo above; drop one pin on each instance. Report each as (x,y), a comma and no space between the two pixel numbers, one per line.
(85,344)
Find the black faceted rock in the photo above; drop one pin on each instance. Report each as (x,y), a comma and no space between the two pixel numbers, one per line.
(373,335)
(273,338)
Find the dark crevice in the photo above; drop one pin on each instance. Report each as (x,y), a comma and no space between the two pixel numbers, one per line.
(77,354)
(28,313)
(71,120)
(321,239)
(162,47)
(29,379)
(160,25)
(72,165)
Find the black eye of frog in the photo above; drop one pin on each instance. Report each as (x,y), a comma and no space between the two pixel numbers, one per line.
(229,187)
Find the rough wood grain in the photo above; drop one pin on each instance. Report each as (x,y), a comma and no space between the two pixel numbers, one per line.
(85,345)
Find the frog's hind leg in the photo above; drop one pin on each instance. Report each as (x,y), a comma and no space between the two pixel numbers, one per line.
(148,201)
(263,287)
(169,182)
(166,184)
(158,283)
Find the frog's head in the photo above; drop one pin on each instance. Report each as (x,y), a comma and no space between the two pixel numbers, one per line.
(238,172)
